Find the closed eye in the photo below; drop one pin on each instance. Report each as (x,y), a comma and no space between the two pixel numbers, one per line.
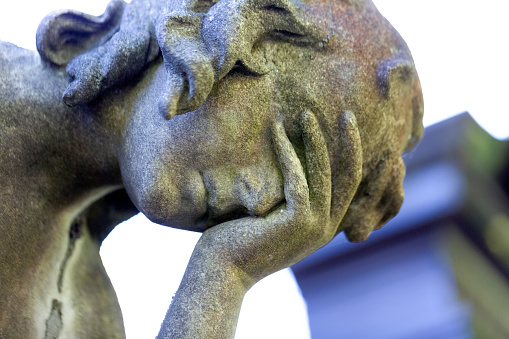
(290,25)
(275,8)
(291,37)
(241,69)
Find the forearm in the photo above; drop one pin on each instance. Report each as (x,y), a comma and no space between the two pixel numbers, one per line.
(208,301)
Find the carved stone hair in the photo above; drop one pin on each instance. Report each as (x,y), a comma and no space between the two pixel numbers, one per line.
(198,48)
(64,34)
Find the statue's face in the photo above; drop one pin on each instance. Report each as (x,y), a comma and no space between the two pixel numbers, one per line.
(217,163)
(206,166)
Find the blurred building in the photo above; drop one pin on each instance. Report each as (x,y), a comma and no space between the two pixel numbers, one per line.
(440,269)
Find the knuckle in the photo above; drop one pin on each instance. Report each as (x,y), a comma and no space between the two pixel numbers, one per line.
(302,216)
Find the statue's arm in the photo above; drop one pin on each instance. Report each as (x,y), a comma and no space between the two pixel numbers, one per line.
(233,256)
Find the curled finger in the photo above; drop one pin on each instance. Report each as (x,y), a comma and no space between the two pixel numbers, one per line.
(348,173)
(317,163)
(295,185)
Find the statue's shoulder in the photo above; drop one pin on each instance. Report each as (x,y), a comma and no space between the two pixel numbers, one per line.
(7,47)
(13,58)
(9,50)
(25,79)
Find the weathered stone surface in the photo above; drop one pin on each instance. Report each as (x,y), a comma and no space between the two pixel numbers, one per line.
(268,125)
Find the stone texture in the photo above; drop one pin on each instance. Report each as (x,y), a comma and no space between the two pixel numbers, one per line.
(268,125)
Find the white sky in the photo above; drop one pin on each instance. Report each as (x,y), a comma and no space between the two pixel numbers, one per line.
(461,54)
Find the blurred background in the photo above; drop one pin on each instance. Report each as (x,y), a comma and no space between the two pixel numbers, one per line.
(440,269)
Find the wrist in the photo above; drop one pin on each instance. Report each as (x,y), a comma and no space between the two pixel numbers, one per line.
(208,301)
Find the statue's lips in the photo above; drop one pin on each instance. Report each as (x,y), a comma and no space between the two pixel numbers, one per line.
(213,217)
(208,221)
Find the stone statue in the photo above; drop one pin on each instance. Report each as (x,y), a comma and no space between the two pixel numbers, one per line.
(268,125)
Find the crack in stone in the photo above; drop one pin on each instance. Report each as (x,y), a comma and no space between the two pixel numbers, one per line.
(54,322)
(74,234)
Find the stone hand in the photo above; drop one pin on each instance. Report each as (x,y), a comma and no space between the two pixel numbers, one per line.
(309,218)
(232,256)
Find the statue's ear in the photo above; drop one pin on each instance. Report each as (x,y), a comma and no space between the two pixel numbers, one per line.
(64,34)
